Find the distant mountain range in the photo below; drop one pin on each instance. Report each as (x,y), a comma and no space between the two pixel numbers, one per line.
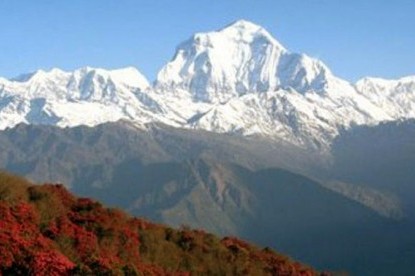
(237,80)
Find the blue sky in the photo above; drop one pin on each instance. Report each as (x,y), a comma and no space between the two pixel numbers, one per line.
(354,38)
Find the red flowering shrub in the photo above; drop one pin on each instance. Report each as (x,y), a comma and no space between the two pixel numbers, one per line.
(50,263)
(23,248)
(44,230)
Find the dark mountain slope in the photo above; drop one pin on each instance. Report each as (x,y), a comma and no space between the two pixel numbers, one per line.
(211,181)
(45,153)
(271,206)
(381,157)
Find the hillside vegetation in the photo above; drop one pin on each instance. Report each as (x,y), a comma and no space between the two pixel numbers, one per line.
(45,230)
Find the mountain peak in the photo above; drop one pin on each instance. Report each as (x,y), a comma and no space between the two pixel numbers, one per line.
(248,31)
(238,59)
(242,24)
(130,76)
(39,75)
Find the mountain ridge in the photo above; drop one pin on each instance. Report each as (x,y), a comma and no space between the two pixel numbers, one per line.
(237,80)
(197,177)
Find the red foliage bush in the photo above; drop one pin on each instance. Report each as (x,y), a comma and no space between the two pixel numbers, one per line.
(51,232)
(23,247)
(50,263)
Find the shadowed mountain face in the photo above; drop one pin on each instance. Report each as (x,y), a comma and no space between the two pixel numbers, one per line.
(380,157)
(226,184)
(269,207)
(49,153)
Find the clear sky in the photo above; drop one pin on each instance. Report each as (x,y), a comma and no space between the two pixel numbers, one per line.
(354,38)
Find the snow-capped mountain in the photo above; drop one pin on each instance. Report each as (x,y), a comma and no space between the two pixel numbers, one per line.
(395,97)
(254,85)
(86,96)
(238,79)
(241,58)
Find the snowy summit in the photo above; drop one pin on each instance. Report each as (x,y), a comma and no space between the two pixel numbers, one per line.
(238,79)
